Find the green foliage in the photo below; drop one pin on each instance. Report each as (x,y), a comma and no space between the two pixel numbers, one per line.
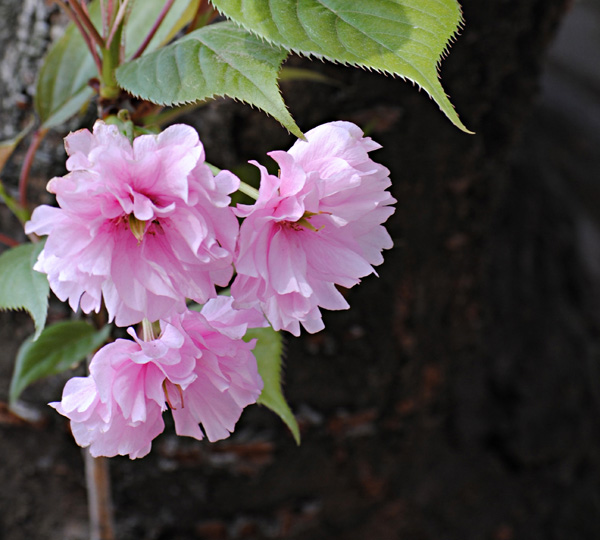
(402,37)
(60,347)
(21,287)
(218,60)
(62,86)
(268,353)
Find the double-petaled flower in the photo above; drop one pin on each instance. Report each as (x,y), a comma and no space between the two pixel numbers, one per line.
(314,226)
(143,225)
(199,367)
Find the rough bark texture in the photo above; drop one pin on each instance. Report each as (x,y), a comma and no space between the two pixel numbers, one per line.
(459,398)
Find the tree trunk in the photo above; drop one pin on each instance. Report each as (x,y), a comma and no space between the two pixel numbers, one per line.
(455,400)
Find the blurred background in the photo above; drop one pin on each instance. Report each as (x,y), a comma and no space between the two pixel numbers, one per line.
(460,398)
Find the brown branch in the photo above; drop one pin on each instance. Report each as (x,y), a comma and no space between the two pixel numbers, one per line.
(99,498)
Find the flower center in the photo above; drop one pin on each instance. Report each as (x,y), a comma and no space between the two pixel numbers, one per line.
(137,227)
(303,223)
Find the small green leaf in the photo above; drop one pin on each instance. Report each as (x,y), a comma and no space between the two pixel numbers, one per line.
(268,353)
(62,88)
(407,38)
(21,287)
(217,60)
(59,348)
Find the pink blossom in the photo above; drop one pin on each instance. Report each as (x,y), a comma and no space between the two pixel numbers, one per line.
(315,226)
(199,367)
(143,225)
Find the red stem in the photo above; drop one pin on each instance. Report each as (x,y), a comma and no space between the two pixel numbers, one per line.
(38,136)
(89,25)
(88,41)
(116,23)
(10,242)
(157,23)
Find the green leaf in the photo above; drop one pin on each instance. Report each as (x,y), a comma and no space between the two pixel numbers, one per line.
(59,348)
(62,87)
(21,287)
(407,38)
(217,60)
(268,353)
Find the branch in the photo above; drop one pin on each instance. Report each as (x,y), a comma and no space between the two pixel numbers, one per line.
(99,498)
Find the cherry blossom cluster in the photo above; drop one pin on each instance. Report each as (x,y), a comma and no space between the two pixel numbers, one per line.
(144,227)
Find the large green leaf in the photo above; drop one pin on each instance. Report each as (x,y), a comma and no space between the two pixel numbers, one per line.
(268,353)
(21,287)
(59,348)
(218,60)
(62,86)
(401,37)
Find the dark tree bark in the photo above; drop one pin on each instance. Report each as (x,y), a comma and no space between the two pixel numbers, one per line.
(455,400)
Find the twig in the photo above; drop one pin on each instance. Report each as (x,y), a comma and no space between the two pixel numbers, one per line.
(88,41)
(10,242)
(155,26)
(38,136)
(89,25)
(99,498)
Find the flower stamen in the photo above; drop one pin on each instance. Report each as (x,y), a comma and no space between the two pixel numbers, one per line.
(137,227)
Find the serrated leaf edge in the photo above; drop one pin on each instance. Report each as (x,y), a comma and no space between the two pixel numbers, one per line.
(442,55)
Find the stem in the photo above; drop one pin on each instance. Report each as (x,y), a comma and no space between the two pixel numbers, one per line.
(155,26)
(147,331)
(88,41)
(117,23)
(85,20)
(99,498)
(247,189)
(8,241)
(111,56)
(38,136)
(104,15)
